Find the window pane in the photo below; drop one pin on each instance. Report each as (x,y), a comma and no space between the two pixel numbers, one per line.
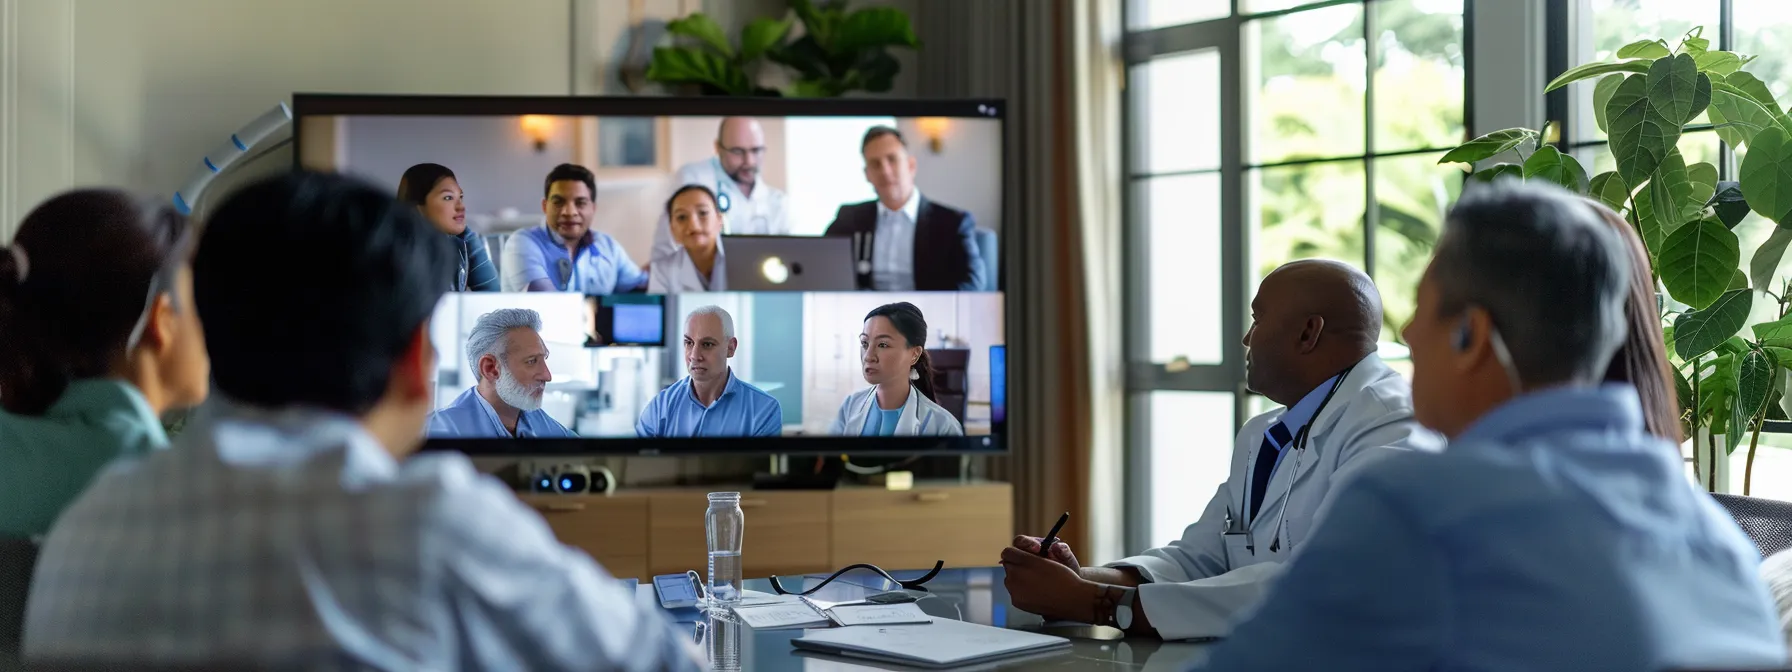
(1419,75)
(1309,71)
(1764,28)
(1191,452)
(1260,6)
(1177,108)
(1412,194)
(1183,236)
(1620,22)
(1313,210)
(1148,14)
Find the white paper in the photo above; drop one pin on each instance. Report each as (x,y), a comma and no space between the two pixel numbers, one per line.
(781,616)
(880,614)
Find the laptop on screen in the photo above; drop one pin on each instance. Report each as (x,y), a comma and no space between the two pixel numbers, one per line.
(789,264)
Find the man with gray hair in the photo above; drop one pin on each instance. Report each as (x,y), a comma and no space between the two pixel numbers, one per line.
(710,401)
(510,366)
(1555,532)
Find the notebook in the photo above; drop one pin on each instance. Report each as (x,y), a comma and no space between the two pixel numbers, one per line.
(941,644)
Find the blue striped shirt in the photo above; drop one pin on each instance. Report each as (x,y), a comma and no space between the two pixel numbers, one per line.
(470,416)
(477,274)
(601,267)
(742,410)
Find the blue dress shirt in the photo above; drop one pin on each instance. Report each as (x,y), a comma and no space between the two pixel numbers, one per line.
(1554,534)
(601,267)
(742,410)
(470,416)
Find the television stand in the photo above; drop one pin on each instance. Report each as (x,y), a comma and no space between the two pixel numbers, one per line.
(810,476)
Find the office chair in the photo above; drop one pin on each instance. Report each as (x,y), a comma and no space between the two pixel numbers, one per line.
(1767,522)
(18,558)
(494,246)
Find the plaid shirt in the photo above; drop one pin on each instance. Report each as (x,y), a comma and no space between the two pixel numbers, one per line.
(292,538)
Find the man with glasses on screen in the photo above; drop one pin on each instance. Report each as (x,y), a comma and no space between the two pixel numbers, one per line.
(510,362)
(710,401)
(749,205)
(902,241)
(565,254)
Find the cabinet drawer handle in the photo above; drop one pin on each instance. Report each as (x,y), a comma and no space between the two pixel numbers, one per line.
(932,496)
(561,507)
(751,503)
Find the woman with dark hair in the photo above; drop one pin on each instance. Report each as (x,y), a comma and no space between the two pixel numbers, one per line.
(98,337)
(696,264)
(1643,360)
(900,399)
(434,190)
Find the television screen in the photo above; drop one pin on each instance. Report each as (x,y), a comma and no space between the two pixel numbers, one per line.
(647,275)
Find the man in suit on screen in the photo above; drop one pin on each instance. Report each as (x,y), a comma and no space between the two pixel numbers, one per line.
(902,241)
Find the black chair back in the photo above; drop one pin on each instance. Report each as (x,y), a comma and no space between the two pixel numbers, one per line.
(1768,522)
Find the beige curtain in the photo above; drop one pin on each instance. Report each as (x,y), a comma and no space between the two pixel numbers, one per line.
(1055,63)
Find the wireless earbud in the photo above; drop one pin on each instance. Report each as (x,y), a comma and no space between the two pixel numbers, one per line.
(1463,333)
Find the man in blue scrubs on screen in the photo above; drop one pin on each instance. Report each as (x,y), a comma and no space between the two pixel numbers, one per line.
(565,254)
(510,363)
(710,401)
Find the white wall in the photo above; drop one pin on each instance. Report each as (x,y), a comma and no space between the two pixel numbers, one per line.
(967,173)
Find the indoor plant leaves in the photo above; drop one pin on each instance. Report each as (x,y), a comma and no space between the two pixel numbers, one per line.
(1696,264)
(1697,332)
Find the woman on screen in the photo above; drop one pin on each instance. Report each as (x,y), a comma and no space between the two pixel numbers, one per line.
(435,192)
(900,399)
(696,264)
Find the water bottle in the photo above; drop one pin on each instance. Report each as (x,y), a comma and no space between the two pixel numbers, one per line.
(726,526)
(723,642)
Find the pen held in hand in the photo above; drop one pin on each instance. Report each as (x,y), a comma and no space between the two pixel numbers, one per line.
(1045,543)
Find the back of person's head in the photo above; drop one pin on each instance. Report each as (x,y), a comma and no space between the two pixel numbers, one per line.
(1642,361)
(416,183)
(312,287)
(76,286)
(1552,277)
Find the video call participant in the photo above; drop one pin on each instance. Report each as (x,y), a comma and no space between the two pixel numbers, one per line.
(436,193)
(98,337)
(510,361)
(291,525)
(902,241)
(753,207)
(697,264)
(900,399)
(566,254)
(710,401)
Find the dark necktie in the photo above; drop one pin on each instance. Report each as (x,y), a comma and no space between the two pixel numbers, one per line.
(1266,464)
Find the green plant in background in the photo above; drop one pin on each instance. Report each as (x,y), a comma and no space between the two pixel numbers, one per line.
(1726,368)
(839,51)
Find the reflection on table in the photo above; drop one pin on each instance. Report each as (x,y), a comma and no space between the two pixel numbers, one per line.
(974,595)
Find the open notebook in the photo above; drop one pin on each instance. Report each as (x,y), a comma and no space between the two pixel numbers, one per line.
(940,644)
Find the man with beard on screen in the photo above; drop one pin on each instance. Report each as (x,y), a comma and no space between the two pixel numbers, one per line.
(510,363)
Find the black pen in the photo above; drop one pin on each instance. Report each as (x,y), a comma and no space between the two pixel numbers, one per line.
(1045,544)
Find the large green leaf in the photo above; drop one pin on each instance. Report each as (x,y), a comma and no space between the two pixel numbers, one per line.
(1697,332)
(1659,208)
(1696,262)
(1717,385)
(1645,49)
(761,36)
(1683,389)
(1602,94)
(1749,85)
(1718,62)
(1703,180)
(1551,165)
(1489,146)
(1592,70)
(1738,117)
(1781,356)
(874,27)
(1777,333)
(1640,137)
(1766,176)
(678,65)
(1738,280)
(1754,379)
(1766,262)
(1610,190)
(1693,44)
(705,30)
(1677,90)
(1499,170)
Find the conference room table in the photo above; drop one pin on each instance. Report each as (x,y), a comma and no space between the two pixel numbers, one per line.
(971,594)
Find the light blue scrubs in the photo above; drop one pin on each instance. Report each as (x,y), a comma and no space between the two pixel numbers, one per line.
(471,417)
(1554,534)
(885,425)
(742,410)
(601,267)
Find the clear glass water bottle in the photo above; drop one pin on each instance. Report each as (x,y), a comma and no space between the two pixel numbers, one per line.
(723,643)
(726,527)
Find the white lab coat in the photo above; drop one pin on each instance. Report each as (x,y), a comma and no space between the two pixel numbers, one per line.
(920,416)
(1202,582)
(675,273)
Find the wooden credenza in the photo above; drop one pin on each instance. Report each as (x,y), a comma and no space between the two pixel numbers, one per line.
(642,533)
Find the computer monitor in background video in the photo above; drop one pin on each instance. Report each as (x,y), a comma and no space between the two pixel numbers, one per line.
(656,246)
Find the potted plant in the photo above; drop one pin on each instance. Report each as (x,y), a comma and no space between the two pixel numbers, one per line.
(1725,368)
(839,51)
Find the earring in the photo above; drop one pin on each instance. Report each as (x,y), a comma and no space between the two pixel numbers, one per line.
(914,375)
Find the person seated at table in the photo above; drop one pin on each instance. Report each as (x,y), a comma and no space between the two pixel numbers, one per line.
(98,337)
(510,362)
(292,526)
(903,241)
(710,401)
(1555,532)
(565,254)
(901,377)
(697,263)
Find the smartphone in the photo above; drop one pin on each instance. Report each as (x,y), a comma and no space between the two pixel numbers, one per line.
(677,591)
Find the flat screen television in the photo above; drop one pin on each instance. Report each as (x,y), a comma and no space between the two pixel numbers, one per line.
(667,276)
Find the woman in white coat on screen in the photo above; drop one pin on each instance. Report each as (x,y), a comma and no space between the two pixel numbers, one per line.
(696,264)
(900,399)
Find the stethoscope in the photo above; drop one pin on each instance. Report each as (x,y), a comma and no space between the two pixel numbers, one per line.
(723,200)
(1299,444)
(862,249)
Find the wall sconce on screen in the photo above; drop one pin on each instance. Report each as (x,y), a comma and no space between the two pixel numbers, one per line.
(934,128)
(538,128)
